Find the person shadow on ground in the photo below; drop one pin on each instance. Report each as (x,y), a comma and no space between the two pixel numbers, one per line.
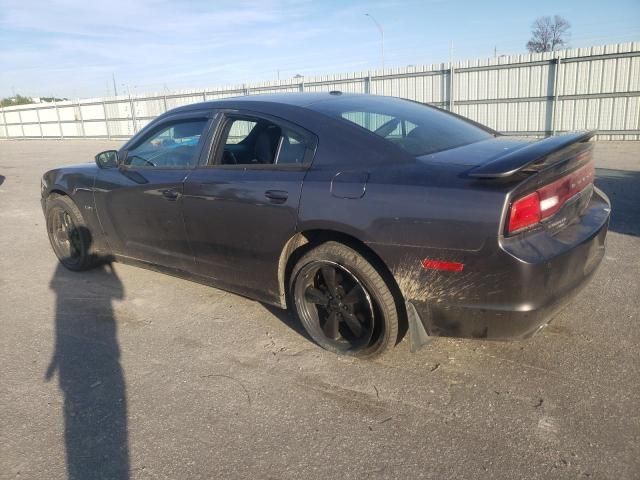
(87,361)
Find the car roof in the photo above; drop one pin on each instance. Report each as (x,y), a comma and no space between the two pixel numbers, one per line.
(301,99)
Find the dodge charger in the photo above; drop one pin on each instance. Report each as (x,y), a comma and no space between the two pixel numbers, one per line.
(366,216)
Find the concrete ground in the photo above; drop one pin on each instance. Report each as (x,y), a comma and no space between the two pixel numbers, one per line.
(127,373)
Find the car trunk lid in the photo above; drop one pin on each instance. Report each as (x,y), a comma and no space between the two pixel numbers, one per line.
(549,182)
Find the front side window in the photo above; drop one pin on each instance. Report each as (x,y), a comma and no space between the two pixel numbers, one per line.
(261,142)
(416,128)
(174,146)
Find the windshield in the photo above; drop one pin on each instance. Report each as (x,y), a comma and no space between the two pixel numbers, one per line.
(414,127)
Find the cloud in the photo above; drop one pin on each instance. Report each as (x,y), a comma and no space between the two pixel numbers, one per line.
(113,18)
(71,48)
(140,40)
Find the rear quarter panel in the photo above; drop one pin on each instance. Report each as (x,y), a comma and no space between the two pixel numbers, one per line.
(409,211)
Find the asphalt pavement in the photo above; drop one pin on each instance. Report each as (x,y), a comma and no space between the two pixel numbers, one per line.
(126,373)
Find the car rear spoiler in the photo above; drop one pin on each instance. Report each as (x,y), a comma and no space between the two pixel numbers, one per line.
(520,159)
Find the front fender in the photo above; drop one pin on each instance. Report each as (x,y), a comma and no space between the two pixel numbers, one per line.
(78,184)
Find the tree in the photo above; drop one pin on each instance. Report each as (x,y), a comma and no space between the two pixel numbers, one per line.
(17,100)
(549,34)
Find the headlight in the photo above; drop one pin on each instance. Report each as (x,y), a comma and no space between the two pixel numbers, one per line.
(43,186)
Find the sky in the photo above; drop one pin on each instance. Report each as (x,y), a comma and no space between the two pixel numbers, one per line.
(74,48)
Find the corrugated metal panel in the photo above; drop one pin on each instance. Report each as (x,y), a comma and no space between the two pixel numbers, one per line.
(592,88)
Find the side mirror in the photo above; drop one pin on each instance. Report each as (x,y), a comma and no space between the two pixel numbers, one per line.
(107,159)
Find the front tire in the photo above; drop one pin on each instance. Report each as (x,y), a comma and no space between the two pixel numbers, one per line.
(68,233)
(343,302)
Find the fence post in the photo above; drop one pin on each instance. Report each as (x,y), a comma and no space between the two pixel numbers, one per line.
(554,94)
(106,119)
(204,96)
(133,114)
(21,124)
(451,74)
(164,101)
(39,123)
(81,119)
(6,128)
(367,84)
(55,104)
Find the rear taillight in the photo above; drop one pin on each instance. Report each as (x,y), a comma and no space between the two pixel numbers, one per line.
(547,200)
(524,212)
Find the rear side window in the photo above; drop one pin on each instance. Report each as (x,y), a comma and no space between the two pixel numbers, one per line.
(240,129)
(293,148)
(248,141)
(417,129)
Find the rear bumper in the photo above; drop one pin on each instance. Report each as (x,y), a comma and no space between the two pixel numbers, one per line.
(511,293)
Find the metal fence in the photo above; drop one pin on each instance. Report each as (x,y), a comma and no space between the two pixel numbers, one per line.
(534,94)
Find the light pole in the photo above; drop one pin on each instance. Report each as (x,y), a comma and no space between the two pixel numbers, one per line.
(381,38)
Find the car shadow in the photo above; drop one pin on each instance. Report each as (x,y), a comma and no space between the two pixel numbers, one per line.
(289,319)
(2,177)
(87,361)
(623,189)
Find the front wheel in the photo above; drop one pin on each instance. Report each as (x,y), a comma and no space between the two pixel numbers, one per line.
(343,302)
(69,235)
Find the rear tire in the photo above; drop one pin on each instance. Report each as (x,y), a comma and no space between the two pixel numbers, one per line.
(343,302)
(68,233)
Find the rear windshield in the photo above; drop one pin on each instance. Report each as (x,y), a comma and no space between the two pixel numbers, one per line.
(414,127)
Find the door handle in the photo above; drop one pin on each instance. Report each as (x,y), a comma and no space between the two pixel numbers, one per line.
(277,196)
(170,194)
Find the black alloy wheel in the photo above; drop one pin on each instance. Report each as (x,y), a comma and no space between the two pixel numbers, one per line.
(68,233)
(343,302)
(335,306)
(65,236)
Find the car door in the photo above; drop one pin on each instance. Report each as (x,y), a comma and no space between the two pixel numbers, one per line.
(139,203)
(241,207)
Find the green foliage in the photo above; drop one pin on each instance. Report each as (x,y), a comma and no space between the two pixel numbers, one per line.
(20,100)
(17,100)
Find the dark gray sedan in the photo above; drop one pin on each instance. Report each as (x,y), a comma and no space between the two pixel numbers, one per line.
(366,216)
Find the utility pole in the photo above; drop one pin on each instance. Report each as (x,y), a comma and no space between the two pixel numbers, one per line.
(381,30)
(115,89)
